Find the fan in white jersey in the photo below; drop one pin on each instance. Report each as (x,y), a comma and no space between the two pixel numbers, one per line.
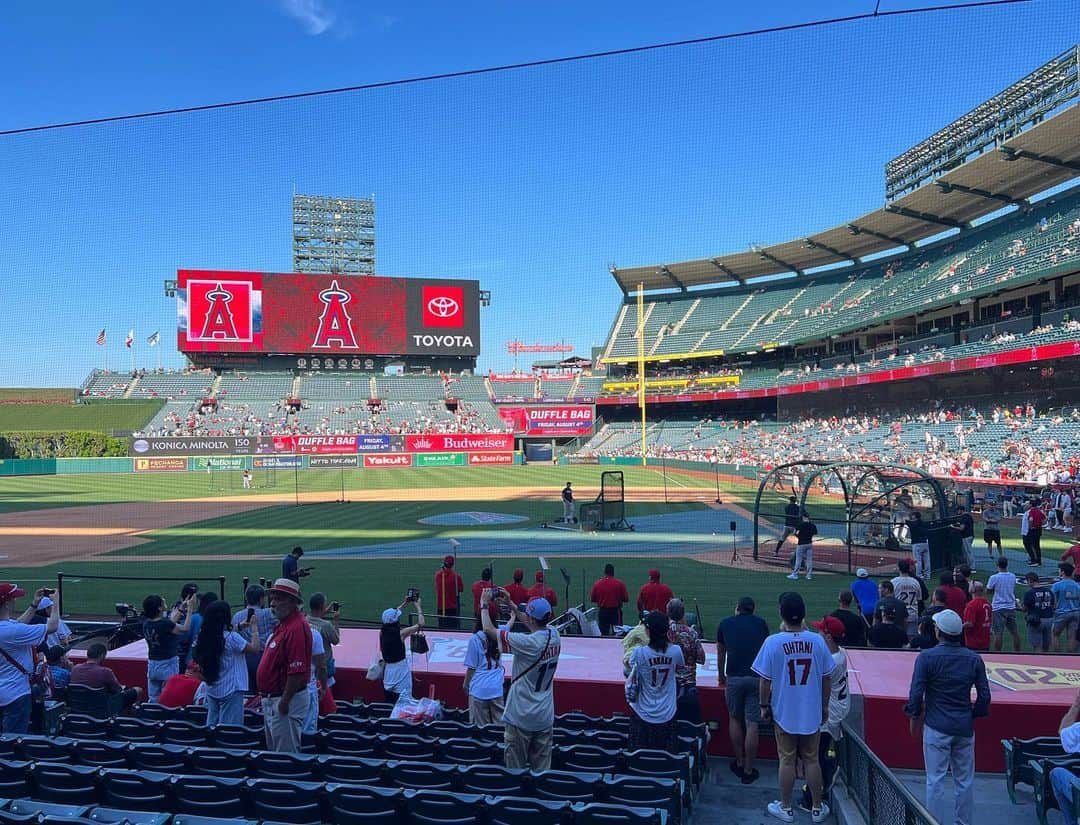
(652,667)
(795,666)
(832,631)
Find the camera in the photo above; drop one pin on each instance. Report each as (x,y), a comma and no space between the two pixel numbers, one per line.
(493,592)
(413,594)
(125,611)
(48,591)
(335,607)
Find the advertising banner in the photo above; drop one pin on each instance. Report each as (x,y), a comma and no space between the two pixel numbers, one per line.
(440,460)
(161,465)
(230,462)
(380,460)
(315,444)
(380,443)
(554,421)
(200,445)
(277,462)
(324,315)
(317,461)
(480,459)
(447,443)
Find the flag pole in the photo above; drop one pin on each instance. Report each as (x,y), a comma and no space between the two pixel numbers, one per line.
(641,368)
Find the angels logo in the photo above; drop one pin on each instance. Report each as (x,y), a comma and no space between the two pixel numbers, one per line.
(335,325)
(221,311)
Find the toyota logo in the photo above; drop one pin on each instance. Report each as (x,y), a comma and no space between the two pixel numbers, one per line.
(443,307)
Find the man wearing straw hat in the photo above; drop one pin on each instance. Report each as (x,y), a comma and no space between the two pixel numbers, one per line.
(283,673)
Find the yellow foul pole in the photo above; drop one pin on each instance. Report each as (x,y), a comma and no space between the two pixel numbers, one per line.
(641,368)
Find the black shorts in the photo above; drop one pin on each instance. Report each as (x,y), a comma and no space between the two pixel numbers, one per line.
(992,535)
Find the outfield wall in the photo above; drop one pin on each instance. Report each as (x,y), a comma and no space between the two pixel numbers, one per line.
(256,463)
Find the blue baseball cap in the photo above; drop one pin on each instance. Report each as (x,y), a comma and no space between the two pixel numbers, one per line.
(538,608)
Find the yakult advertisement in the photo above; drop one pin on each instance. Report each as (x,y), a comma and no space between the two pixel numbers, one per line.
(556,421)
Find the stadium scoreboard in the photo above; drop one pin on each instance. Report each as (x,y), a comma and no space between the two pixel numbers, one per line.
(326,315)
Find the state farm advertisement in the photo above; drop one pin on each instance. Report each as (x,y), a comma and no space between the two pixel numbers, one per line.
(381,460)
(482,459)
(554,421)
(459,443)
(315,444)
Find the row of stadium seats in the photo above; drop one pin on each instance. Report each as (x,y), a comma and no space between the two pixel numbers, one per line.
(1016,249)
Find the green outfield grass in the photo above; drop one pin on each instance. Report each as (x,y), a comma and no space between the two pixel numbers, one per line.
(95,417)
(58,395)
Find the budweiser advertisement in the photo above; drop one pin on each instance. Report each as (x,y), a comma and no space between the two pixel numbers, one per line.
(459,443)
(556,421)
(259,312)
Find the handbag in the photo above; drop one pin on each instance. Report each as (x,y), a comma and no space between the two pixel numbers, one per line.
(375,670)
(418,643)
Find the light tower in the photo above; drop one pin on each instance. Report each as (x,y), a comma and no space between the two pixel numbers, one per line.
(335,235)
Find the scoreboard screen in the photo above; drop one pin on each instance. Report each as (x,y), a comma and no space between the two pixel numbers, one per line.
(273,313)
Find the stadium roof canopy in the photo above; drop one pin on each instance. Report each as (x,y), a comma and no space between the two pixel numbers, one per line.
(1033,161)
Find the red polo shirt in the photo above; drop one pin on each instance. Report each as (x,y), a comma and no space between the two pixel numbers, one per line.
(542,591)
(654,596)
(288,652)
(518,593)
(609,592)
(1036,517)
(447,586)
(1072,555)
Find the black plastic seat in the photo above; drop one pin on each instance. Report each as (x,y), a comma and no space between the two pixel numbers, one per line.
(348,743)
(379,710)
(586,758)
(488,733)
(468,752)
(495,780)
(44,748)
(422,775)
(339,721)
(252,718)
(64,784)
(11,818)
(183,732)
(218,762)
(41,809)
(208,795)
(446,729)
(300,767)
(102,754)
(597,813)
(408,747)
(147,756)
(388,727)
(286,801)
(350,769)
(237,736)
(561,785)
(516,810)
(92,701)
(191,819)
(645,792)
(132,729)
(141,790)
(364,805)
(14,778)
(439,808)
(646,762)
(84,726)
(129,816)
(578,721)
(196,714)
(154,712)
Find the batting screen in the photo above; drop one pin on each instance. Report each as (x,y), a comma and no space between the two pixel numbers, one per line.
(254,312)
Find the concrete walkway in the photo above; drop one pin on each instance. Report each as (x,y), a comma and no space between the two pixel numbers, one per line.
(724,800)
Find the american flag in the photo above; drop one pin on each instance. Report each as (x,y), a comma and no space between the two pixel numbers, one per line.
(130,339)
(100,340)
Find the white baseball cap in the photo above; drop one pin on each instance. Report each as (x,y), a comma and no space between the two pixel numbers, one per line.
(45,602)
(949,622)
(390,615)
(861,573)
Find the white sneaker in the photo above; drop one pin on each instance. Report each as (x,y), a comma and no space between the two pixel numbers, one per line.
(809,576)
(776,809)
(793,576)
(821,814)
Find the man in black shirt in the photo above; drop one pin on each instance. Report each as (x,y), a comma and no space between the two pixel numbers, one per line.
(738,640)
(889,632)
(965,526)
(1038,613)
(854,624)
(791,521)
(920,543)
(887,602)
(804,547)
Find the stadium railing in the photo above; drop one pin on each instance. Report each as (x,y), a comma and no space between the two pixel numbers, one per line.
(880,797)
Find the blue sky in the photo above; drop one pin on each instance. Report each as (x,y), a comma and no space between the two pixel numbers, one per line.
(534,181)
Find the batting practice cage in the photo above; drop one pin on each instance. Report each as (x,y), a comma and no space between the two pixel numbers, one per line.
(860,510)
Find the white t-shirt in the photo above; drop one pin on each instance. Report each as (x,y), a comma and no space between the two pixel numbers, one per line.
(795,662)
(1004,586)
(318,648)
(488,676)
(233,677)
(18,640)
(656,675)
(839,697)
(530,704)
(907,590)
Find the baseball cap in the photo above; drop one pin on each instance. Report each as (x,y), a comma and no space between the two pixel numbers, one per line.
(831,625)
(949,622)
(861,573)
(654,574)
(390,615)
(287,587)
(538,608)
(792,608)
(10,592)
(448,561)
(45,602)
(519,574)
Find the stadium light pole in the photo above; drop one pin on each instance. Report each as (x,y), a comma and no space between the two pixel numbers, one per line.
(641,368)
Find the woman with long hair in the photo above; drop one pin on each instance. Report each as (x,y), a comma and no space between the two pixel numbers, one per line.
(397,677)
(651,690)
(484,677)
(222,656)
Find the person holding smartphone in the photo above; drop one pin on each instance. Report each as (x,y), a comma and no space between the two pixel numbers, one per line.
(221,653)
(484,677)
(256,617)
(397,674)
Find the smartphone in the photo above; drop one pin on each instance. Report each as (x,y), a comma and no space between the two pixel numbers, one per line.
(48,591)
(335,606)
(412,595)
(493,592)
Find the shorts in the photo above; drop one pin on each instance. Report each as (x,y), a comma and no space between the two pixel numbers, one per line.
(741,695)
(992,536)
(1003,620)
(791,745)
(1068,622)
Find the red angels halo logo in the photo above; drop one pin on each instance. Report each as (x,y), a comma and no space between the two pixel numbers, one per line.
(443,306)
(220,310)
(335,325)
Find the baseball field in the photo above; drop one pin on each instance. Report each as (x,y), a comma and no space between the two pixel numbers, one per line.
(370,534)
